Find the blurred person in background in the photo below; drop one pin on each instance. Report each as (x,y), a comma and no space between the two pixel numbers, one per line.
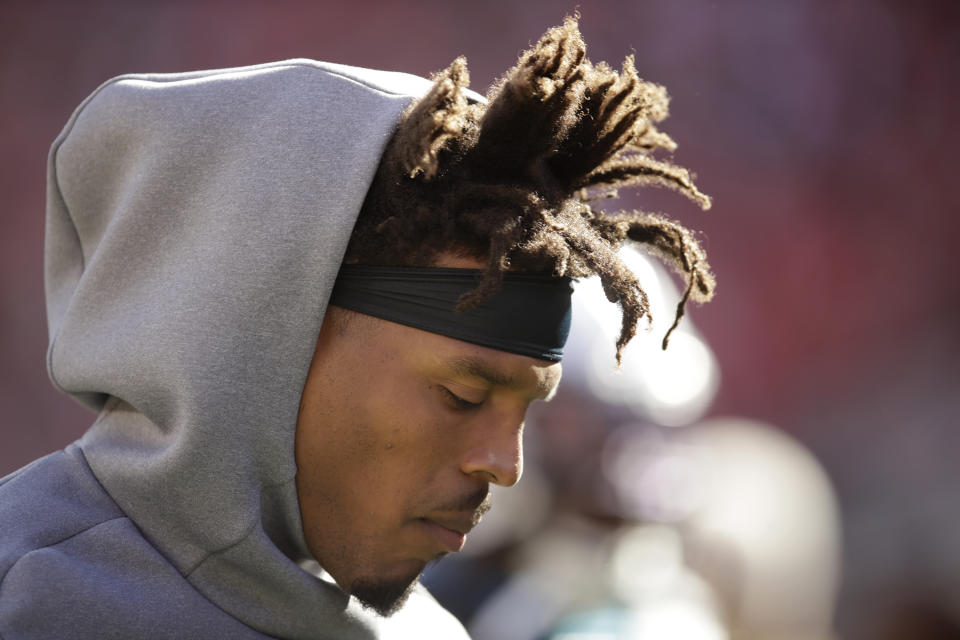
(264,465)
(638,519)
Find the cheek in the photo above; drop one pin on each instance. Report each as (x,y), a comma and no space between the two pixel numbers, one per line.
(410,449)
(421,428)
(367,459)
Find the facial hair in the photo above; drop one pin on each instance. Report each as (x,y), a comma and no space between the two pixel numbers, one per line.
(384,597)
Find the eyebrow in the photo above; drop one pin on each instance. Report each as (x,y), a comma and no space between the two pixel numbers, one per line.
(476,368)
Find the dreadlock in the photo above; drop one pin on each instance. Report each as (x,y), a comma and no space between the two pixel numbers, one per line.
(510,182)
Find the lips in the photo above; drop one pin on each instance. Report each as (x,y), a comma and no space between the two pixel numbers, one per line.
(449,532)
(449,524)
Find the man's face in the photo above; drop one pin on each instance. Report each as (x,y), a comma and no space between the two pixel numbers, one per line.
(399,434)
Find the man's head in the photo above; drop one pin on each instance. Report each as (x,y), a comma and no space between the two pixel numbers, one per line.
(399,435)
(401,430)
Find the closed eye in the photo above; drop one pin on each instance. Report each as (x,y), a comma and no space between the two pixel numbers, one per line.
(458,403)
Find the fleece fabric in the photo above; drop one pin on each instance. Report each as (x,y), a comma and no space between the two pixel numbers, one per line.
(195,225)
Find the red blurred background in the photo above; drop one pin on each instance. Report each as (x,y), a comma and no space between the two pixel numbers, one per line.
(822,130)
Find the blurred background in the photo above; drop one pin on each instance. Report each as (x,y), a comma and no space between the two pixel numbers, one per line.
(825,132)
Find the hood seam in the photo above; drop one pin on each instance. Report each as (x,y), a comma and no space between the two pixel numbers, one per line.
(60,541)
(246,533)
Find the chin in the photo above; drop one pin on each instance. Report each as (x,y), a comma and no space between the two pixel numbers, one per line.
(386,597)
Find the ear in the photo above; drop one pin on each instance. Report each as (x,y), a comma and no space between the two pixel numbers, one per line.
(429,123)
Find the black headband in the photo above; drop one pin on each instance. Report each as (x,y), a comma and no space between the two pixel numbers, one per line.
(529,314)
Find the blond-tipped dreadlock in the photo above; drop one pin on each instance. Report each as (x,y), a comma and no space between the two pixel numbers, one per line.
(509,182)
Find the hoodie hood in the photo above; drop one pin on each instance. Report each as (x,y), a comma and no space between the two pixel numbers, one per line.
(195,225)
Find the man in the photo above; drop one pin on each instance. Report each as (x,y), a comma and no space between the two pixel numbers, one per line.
(263,465)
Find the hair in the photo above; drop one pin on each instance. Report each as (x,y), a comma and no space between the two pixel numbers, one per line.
(511,182)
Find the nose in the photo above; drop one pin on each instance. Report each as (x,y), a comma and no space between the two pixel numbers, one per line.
(497,455)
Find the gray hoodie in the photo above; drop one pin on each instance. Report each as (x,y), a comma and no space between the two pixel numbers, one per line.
(195,225)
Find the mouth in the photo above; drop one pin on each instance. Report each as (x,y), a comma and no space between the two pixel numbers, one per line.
(449,525)
(450,534)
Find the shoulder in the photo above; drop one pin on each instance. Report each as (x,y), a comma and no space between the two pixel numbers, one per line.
(73,565)
(48,502)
